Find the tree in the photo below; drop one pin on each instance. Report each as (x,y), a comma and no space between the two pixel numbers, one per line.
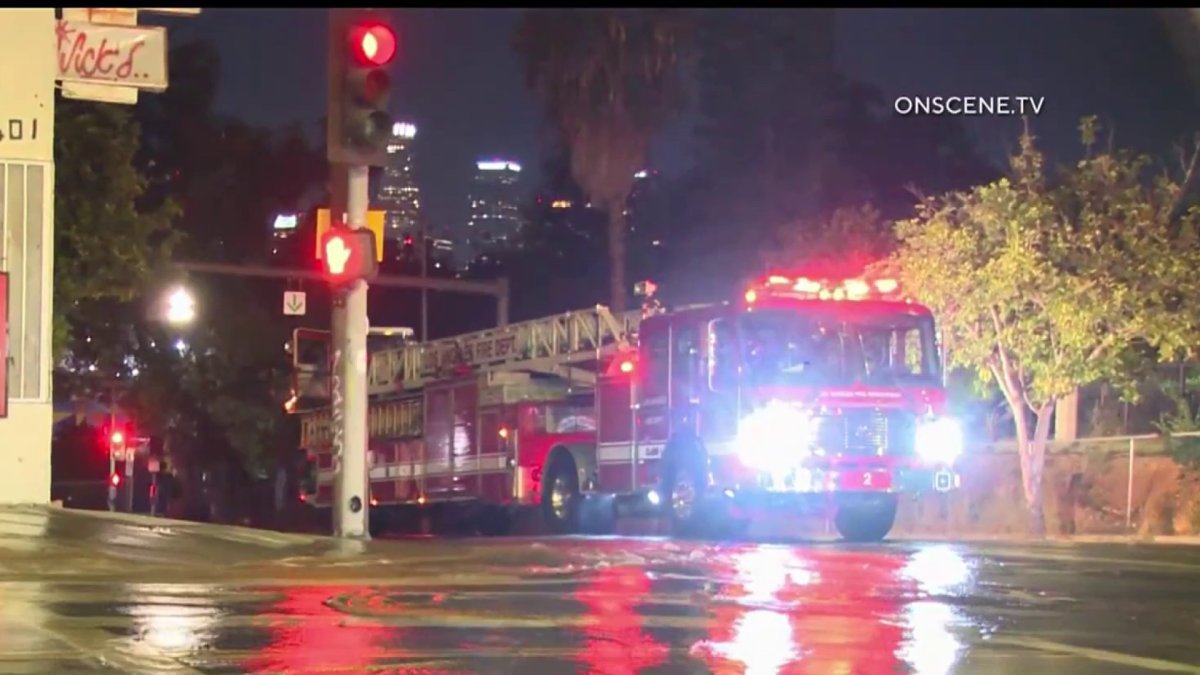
(224,409)
(608,83)
(1046,283)
(787,146)
(106,247)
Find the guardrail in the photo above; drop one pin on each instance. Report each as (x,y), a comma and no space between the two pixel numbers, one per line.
(1143,444)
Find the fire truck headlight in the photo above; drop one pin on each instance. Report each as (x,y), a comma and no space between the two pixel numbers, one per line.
(939,440)
(773,435)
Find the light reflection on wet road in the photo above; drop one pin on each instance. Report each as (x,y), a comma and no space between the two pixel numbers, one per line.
(84,593)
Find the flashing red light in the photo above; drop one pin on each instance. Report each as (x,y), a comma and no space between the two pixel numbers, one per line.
(117,438)
(115,480)
(503,432)
(372,44)
(846,289)
(626,367)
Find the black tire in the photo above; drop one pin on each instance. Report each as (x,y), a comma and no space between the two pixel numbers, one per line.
(868,522)
(684,466)
(493,521)
(564,518)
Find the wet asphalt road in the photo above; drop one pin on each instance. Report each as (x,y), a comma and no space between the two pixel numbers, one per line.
(100,593)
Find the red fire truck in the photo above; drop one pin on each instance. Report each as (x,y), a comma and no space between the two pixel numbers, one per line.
(804,395)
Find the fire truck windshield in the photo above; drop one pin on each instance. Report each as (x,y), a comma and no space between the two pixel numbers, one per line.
(784,348)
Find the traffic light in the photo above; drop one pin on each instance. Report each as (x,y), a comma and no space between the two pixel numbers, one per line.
(362,46)
(116,443)
(348,255)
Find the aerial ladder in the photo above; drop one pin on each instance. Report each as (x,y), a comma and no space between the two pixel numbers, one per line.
(570,345)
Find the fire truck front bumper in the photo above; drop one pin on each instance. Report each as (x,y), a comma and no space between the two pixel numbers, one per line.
(844,479)
(815,490)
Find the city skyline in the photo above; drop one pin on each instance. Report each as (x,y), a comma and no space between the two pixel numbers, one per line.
(1067,56)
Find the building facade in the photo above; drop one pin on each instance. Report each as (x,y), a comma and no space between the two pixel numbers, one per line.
(495,205)
(398,194)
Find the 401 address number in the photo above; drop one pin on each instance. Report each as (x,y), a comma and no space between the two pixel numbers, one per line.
(17,129)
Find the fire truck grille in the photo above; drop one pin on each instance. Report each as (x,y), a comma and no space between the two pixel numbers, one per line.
(868,432)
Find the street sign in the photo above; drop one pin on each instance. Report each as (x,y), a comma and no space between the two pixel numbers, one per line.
(375,221)
(102,93)
(129,56)
(295,303)
(27,115)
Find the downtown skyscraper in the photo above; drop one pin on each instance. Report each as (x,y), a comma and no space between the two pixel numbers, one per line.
(398,194)
(495,205)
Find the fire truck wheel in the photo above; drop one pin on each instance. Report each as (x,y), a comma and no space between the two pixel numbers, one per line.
(866,522)
(684,481)
(560,496)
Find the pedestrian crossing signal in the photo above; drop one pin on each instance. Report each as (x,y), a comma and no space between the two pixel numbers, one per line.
(348,255)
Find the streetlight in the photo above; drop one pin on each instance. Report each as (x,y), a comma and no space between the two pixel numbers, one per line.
(181,307)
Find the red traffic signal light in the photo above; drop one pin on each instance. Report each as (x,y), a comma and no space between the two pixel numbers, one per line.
(348,255)
(362,46)
(372,44)
(117,438)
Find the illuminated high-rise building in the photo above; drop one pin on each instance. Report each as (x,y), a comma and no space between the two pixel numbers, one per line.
(495,210)
(398,193)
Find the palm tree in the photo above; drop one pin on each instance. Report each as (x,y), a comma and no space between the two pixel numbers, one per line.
(608,81)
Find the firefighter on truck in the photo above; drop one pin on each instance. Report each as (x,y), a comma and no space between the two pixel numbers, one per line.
(805,396)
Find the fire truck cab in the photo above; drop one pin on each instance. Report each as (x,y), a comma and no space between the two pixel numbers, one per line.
(808,395)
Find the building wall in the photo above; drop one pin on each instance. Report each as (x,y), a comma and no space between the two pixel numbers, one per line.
(27,69)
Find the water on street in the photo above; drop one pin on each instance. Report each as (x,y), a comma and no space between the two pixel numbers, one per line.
(100,593)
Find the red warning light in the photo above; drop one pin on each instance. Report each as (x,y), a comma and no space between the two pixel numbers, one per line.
(626,367)
(372,44)
(115,479)
(117,438)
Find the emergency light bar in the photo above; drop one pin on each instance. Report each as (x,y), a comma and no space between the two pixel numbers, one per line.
(803,288)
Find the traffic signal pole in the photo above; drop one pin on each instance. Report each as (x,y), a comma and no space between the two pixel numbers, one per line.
(112,457)
(349,413)
(361,45)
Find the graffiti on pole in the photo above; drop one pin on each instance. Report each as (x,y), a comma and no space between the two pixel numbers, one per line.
(337,412)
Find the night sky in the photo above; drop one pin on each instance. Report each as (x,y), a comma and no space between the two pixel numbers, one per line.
(459,81)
